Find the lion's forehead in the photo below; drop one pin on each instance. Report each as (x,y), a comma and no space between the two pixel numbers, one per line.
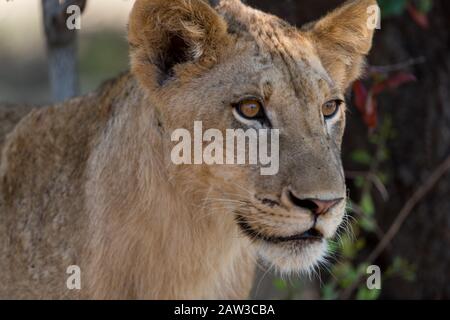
(280,46)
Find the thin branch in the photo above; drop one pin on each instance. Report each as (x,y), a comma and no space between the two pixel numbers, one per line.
(420,193)
(372,177)
(360,213)
(398,66)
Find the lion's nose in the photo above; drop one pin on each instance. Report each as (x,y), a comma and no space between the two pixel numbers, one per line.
(316,206)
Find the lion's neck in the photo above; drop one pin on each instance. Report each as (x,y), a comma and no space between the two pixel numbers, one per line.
(151,236)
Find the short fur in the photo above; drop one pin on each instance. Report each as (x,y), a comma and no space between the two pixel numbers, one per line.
(89,182)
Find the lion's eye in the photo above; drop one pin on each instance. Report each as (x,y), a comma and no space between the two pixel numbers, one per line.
(330,108)
(250,109)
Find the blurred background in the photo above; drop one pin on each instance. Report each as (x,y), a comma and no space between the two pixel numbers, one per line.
(102,47)
(396,149)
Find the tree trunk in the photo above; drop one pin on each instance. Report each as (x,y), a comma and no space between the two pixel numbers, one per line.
(421,118)
(62,48)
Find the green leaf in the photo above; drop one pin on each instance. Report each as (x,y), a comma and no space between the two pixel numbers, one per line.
(392,7)
(367,205)
(341,269)
(367,294)
(360,244)
(368,224)
(280,284)
(359,181)
(349,278)
(329,292)
(425,6)
(401,267)
(361,157)
(362,268)
(347,247)
(384,177)
(384,154)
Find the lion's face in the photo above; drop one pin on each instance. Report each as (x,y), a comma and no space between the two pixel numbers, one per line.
(263,74)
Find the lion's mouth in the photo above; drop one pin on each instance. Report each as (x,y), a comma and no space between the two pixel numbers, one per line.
(309,235)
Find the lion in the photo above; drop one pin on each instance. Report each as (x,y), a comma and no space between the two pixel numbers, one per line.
(90,183)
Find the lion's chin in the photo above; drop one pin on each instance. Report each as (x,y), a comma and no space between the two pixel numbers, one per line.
(293,256)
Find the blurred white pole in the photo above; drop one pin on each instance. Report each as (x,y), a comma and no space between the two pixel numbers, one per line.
(61,47)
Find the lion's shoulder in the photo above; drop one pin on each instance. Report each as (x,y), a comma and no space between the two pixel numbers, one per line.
(50,146)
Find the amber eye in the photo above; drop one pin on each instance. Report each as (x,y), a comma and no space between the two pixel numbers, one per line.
(250,109)
(330,108)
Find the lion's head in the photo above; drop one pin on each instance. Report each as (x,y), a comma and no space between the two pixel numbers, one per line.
(234,67)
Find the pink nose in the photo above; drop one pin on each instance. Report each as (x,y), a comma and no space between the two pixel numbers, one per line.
(322,206)
(316,206)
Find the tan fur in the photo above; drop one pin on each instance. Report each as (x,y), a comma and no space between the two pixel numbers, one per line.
(89,182)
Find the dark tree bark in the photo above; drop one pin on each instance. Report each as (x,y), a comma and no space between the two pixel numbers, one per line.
(421,118)
(421,115)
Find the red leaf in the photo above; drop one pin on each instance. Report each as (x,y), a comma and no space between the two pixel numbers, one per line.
(370,116)
(419,17)
(360,95)
(393,82)
(365,102)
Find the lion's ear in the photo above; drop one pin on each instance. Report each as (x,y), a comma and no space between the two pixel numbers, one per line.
(344,37)
(165,36)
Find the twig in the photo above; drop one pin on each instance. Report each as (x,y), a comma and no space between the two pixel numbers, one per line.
(360,212)
(397,66)
(420,193)
(372,177)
